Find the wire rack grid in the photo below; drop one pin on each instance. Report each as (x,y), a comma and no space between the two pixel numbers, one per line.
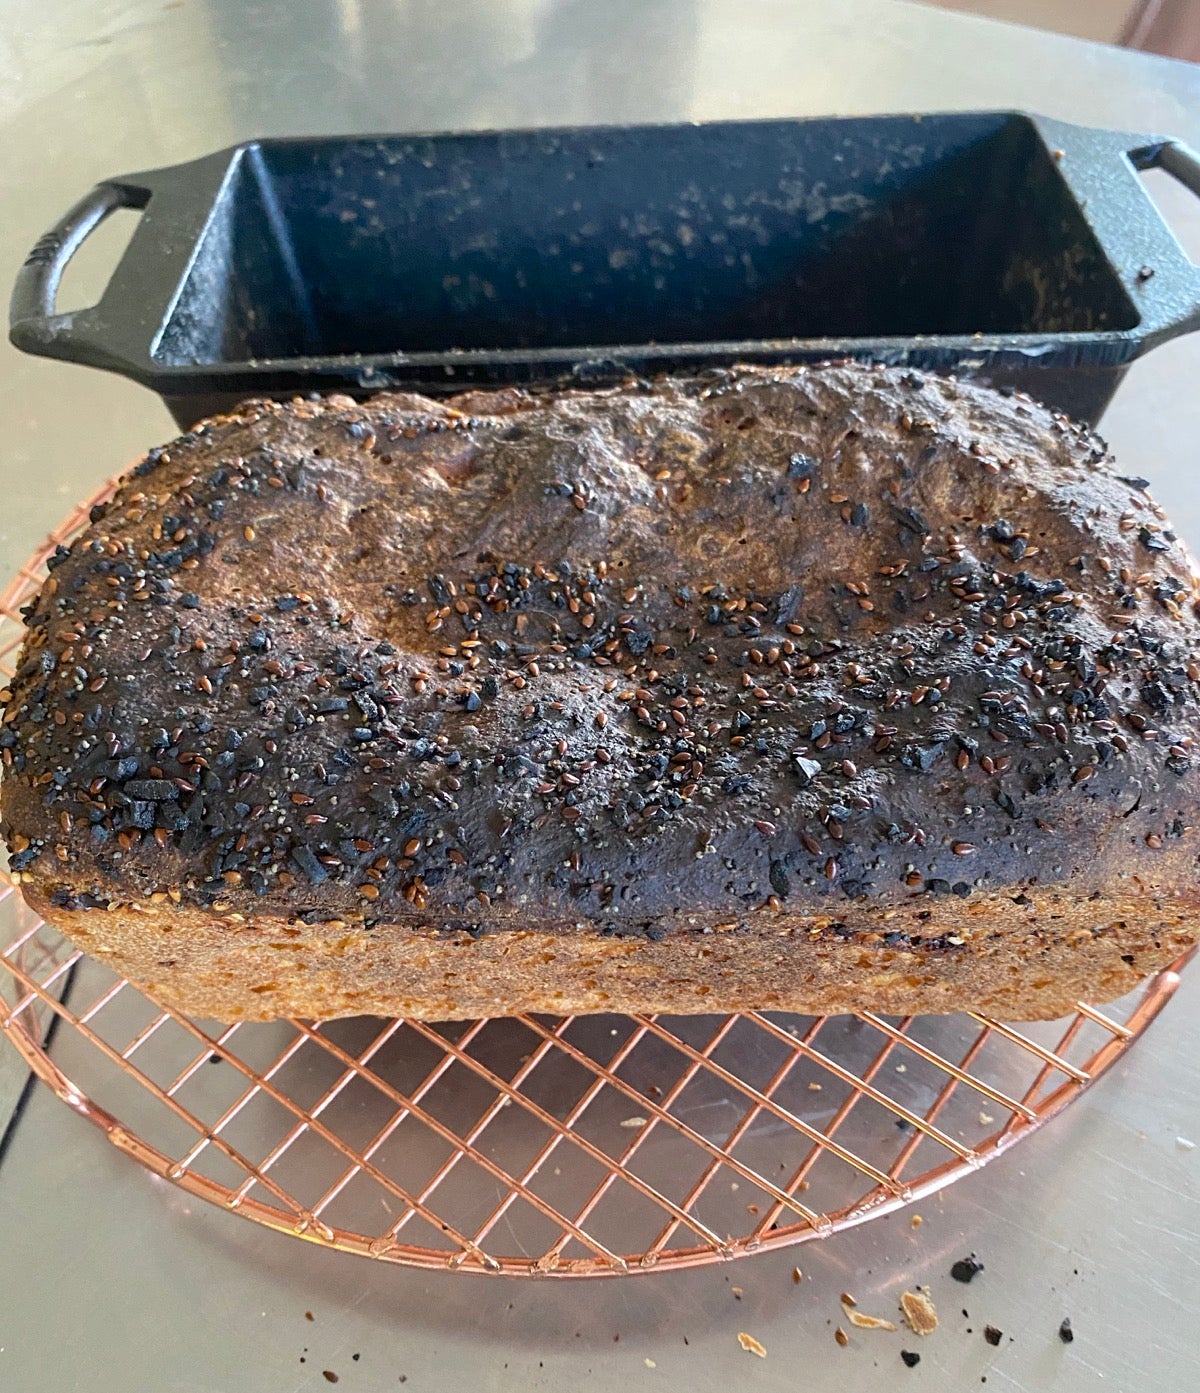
(570,1146)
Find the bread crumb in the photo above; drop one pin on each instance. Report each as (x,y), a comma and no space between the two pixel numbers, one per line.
(634,1122)
(737,1293)
(751,1345)
(865,1322)
(650,1364)
(847,1300)
(919,1313)
(814,1088)
(797,1275)
(985,1117)
(915,1222)
(841,1337)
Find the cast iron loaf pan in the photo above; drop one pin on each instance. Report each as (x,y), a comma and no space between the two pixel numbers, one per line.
(1016,249)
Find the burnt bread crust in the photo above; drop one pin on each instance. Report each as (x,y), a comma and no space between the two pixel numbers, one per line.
(812,688)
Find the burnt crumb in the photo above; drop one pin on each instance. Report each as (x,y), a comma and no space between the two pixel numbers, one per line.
(966,1269)
(307,863)
(921,757)
(992,1335)
(156,790)
(786,607)
(806,769)
(910,1357)
(1065,1333)
(912,520)
(327,706)
(368,709)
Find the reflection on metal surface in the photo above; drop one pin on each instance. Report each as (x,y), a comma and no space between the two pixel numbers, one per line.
(575,1146)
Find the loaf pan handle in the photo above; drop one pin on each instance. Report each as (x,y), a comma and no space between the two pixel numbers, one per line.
(33,324)
(1179,161)
(1182,163)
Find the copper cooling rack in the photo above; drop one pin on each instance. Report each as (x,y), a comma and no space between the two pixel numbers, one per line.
(572,1146)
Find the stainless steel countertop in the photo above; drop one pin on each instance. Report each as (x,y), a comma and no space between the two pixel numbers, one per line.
(113,1281)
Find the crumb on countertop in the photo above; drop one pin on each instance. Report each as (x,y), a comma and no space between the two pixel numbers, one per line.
(920,1314)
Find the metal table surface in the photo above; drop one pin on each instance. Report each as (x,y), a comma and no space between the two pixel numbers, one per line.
(111,1280)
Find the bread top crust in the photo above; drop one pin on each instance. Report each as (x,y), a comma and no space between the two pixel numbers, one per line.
(801,639)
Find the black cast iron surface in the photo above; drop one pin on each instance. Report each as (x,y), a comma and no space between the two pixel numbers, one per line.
(1006,246)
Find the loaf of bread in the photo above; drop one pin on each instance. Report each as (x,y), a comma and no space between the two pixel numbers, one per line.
(808,689)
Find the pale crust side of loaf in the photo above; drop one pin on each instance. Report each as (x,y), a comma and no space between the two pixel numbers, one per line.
(1031,963)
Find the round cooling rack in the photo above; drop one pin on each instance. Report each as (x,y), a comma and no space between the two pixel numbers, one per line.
(566,1146)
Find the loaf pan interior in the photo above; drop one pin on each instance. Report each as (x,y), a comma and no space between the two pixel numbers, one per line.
(759,231)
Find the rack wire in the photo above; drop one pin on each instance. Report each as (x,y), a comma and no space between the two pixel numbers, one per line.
(533,1145)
